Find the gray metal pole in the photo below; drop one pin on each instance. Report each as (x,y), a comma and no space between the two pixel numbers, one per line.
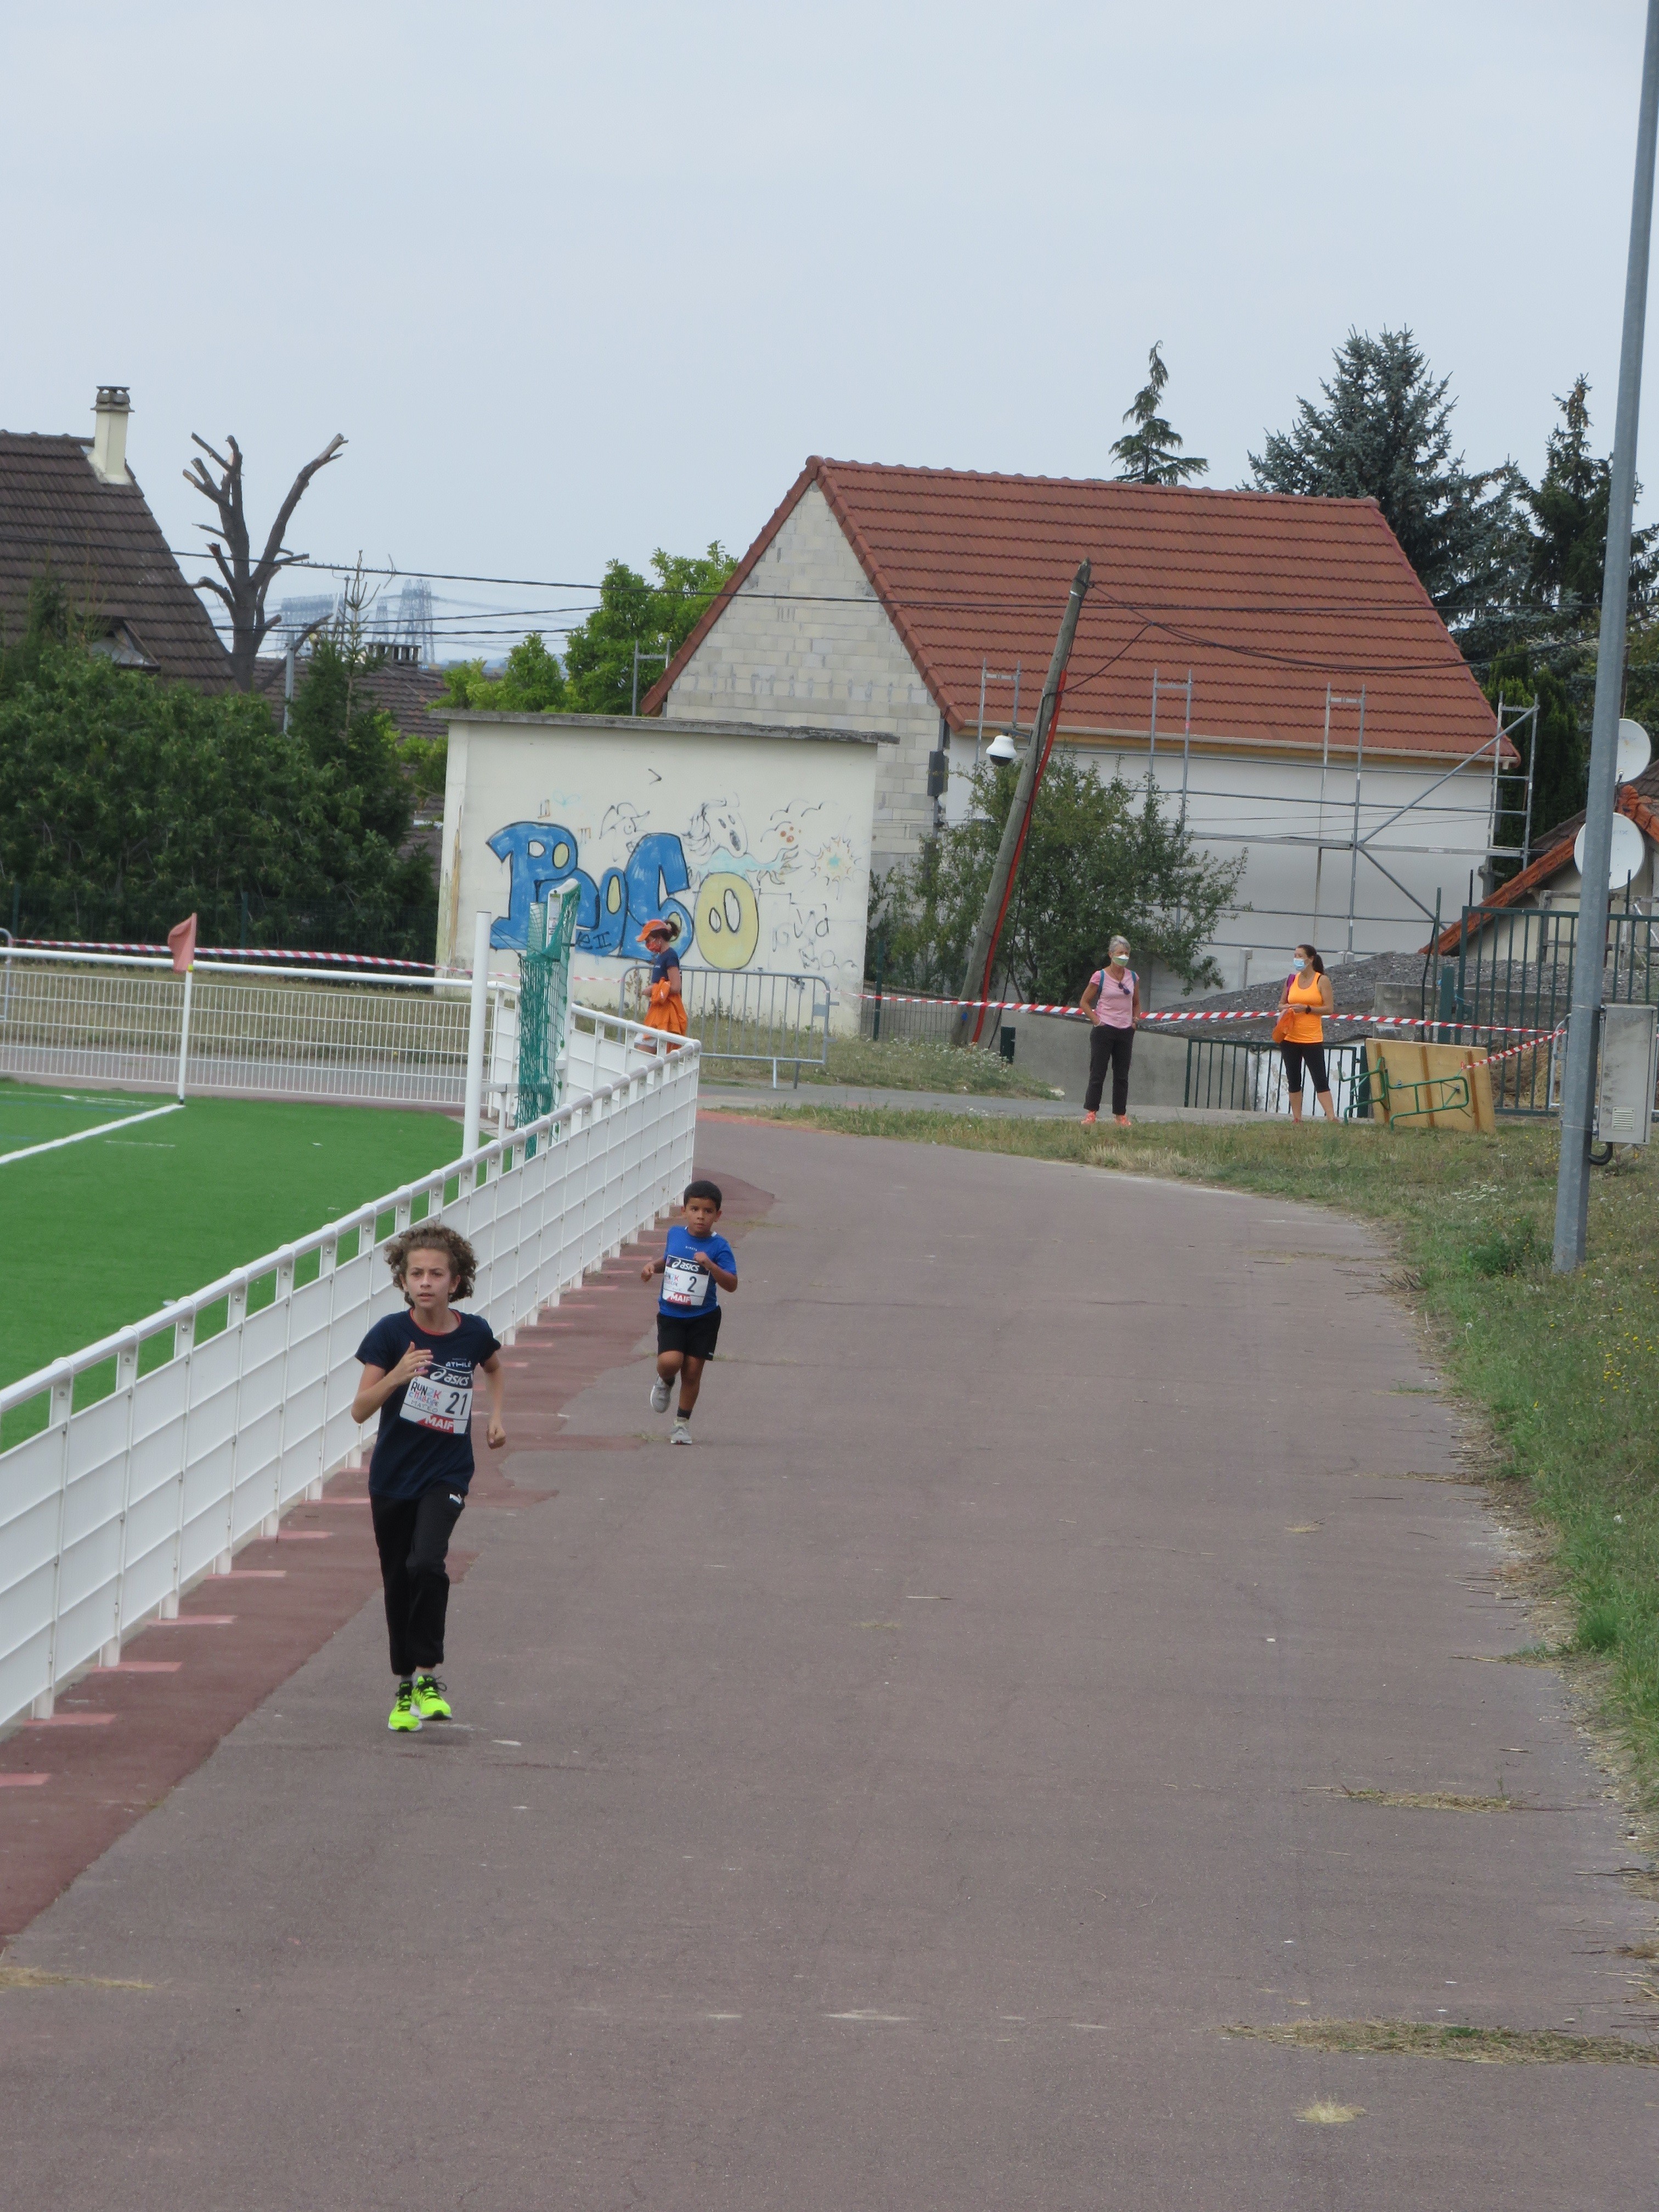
(1578,1080)
(975,980)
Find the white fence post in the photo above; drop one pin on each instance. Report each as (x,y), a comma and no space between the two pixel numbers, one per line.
(474,1035)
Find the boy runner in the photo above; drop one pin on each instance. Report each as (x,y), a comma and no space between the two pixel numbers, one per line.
(695,1258)
(418,1371)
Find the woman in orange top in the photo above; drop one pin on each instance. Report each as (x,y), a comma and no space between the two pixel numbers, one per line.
(1303,1005)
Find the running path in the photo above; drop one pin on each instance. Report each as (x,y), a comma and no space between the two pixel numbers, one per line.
(886,1803)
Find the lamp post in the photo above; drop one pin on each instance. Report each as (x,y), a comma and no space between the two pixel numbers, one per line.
(1578,1081)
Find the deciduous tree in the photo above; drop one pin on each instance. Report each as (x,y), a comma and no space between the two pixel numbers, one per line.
(242,582)
(1099,858)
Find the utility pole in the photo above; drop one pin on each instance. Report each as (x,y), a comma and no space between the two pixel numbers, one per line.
(981,951)
(1584,1027)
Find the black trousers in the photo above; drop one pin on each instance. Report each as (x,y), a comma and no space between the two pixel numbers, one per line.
(412,1535)
(1114,1045)
(1310,1056)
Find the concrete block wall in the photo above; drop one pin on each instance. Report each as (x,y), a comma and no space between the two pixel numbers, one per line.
(806,640)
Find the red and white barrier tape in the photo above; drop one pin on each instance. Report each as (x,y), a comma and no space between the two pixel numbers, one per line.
(1206,1014)
(257,952)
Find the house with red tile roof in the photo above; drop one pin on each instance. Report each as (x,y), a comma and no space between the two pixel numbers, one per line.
(1271,663)
(1554,883)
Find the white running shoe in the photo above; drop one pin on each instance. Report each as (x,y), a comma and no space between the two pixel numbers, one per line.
(680,1433)
(660,1396)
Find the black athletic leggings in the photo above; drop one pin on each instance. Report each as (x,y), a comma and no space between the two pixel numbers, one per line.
(412,1534)
(1107,1044)
(1313,1056)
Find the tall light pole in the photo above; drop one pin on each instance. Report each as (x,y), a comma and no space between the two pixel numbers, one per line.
(1578,1081)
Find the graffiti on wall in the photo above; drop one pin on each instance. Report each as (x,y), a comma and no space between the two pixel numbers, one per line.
(733,896)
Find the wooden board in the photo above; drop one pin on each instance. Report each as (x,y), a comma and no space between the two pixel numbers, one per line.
(1407,1063)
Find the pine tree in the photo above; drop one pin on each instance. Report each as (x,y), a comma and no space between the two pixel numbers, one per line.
(1385,434)
(1560,761)
(1570,506)
(1150,453)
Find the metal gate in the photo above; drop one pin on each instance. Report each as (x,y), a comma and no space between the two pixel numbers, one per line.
(748,1014)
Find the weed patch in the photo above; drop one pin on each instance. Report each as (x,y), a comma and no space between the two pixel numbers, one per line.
(1480,2046)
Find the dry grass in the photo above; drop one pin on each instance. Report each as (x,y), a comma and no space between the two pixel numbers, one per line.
(1427,1801)
(1479,2046)
(36,1978)
(1323,2113)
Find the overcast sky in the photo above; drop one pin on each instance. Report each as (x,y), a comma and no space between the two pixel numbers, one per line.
(579,282)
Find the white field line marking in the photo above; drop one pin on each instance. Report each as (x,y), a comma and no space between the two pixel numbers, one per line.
(103,1129)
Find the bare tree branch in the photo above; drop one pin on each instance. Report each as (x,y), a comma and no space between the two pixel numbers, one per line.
(245,584)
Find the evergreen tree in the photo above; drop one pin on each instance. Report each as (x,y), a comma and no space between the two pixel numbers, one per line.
(1560,762)
(1150,453)
(1385,434)
(1570,508)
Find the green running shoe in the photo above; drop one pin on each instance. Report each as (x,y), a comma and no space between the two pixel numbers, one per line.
(403,1716)
(430,1701)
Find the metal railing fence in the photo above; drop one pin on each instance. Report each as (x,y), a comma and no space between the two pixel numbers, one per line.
(746,1014)
(1249,1078)
(156,1453)
(118,1019)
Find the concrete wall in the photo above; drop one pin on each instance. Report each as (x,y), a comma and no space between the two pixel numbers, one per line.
(1056,1052)
(756,839)
(807,641)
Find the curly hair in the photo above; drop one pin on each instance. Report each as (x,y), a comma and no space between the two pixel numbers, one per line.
(433,1236)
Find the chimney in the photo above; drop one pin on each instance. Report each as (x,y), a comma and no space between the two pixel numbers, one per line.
(109,436)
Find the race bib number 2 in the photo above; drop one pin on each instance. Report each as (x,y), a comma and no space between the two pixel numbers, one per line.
(684,1284)
(434,1404)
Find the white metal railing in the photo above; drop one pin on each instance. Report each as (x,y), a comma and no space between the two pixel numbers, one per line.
(746,1013)
(269,1032)
(167,1445)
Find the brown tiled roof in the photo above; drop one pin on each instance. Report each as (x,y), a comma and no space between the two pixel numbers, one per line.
(1636,799)
(405,692)
(107,549)
(1267,598)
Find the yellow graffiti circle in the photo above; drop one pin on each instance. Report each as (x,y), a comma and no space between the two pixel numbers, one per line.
(727,918)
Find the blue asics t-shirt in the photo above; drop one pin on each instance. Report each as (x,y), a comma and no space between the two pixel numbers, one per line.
(426,1428)
(688,1288)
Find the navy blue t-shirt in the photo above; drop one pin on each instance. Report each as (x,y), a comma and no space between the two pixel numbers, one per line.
(426,1428)
(688,1288)
(666,962)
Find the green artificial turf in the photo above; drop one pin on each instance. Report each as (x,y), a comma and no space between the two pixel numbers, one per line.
(105,1232)
(29,1116)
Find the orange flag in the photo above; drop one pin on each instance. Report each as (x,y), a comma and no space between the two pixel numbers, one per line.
(181,943)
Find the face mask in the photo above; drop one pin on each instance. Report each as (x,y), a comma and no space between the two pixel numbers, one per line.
(1299,963)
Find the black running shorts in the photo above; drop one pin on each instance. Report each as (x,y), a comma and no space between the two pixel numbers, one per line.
(694,1335)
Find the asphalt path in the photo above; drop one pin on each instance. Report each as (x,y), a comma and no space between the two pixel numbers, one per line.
(892,1801)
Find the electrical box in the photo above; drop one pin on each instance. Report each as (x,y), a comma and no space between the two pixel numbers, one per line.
(939,772)
(1629,1070)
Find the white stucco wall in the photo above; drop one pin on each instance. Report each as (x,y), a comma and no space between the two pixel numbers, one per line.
(757,839)
(807,640)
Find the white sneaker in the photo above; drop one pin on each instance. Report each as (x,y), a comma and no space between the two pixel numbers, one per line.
(680,1433)
(660,1396)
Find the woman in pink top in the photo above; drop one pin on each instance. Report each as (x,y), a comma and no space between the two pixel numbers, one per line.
(1112,1002)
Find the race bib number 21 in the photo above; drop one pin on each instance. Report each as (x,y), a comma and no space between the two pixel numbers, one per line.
(435,1404)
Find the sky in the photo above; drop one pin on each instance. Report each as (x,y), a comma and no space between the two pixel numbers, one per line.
(576,283)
